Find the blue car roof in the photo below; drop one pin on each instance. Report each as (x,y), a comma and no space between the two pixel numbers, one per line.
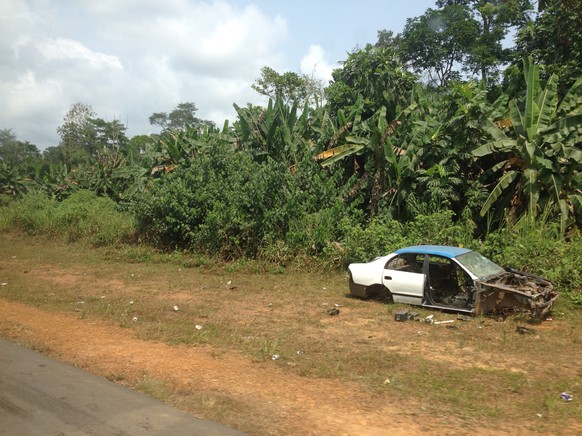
(437,250)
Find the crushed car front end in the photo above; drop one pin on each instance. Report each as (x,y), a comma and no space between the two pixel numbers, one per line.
(515,291)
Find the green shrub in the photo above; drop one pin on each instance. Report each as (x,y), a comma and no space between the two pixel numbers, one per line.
(535,245)
(438,229)
(31,214)
(378,238)
(82,216)
(224,203)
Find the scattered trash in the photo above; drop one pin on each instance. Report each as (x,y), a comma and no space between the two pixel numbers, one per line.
(333,312)
(3,284)
(387,381)
(523,330)
(338,305)
(539,415)
(448,321)
(102,297)
(300,353)
(176,308)
(463,318)
(565,396)
(401,316)
(198,327)
(229,282)
(134,319)
(275,357)
(131,302)
(270,305)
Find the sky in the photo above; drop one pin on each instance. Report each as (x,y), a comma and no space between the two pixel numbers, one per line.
(130,58)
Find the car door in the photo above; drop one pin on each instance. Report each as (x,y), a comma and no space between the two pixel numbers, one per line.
(403,277)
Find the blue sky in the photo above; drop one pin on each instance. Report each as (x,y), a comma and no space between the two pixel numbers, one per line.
(131,58)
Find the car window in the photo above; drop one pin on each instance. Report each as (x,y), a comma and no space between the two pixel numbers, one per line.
(406,262)
(478,264)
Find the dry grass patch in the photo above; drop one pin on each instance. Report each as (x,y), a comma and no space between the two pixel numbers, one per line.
(482,372)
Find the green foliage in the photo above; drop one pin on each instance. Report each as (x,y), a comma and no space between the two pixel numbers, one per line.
(374,74)
(539,160)
(554,39)
(438,229)
(226,204)
(85,216)
(536,245)
(439,40)
(382,236)
(81,217)
(362,243)
(289,86)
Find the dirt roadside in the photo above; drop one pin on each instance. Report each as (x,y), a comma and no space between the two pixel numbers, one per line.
(297,405)
(293,404)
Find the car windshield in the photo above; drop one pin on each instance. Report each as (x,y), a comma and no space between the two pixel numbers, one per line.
(478,264)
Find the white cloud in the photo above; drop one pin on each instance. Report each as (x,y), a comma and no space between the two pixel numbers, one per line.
(315,64)
(66,49)
(129,59)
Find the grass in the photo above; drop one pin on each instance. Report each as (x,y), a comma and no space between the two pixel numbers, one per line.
(483,370)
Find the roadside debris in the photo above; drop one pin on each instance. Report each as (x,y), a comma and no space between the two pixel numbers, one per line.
(198,327)
(524,330)
(565,396)
(176,308)
(3,284)
(275,357)
(134,319)
(333,312)
(401,316)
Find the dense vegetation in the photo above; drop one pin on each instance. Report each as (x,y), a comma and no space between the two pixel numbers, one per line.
(441,134)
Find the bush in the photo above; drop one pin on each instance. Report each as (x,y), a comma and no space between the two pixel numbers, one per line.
(31,214)
(536,245)
(438,229)
(82,216)
(224,203)
(378,238)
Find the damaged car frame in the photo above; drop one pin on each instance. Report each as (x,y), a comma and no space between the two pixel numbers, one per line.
(451,279)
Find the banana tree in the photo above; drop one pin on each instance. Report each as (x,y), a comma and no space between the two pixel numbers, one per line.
(278,131)
(539,148)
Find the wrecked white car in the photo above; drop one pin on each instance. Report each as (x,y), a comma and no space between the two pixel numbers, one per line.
(452,279)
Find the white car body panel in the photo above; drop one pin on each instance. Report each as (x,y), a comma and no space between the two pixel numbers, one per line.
(405,287)
(370,273)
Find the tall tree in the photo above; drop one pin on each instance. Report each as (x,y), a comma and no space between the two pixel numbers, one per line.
(554,39)
(463,35)
(78,136)
(182,116)
(374,74)
(436,43)
(290,87)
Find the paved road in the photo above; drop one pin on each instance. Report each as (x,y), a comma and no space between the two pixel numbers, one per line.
(41,396)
